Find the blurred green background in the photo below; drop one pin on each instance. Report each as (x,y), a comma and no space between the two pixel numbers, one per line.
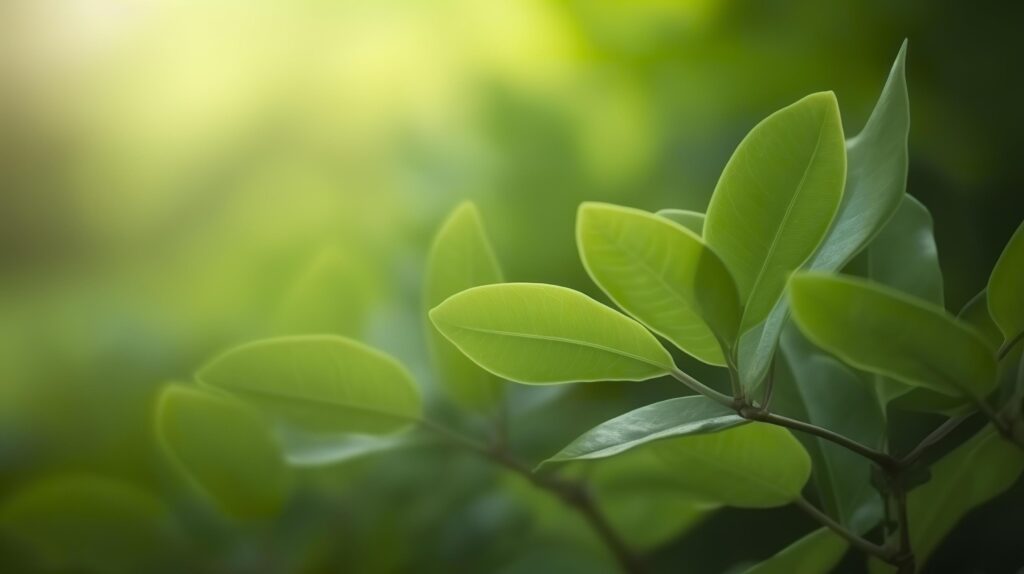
(170,168)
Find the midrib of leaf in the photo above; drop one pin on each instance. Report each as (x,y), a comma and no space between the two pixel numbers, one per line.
(785,221)
(563,340)
(263,393)
(659,435)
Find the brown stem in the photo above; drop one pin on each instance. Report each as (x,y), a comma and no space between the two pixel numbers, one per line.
(572,494)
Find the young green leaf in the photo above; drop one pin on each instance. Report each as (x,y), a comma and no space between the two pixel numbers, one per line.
(977,471)
(814,387)
(876,176)
(671,418)
(749,466)
(87,522)
(225,448)
(817,553)
(692,220)
(663,275)
(544,334)
(461,257)
(1006,288)
(319,383)
(776,198)
(332,296)
(883,331)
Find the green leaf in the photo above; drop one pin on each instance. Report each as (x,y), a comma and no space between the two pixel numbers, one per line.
(974,473)
(672,418)
(750,466)
(880,330)
(225,448)
(776,198)
(332,296)
(305,449)
(876,176)
(88,522)
(1006,288)
(319,384)
(544,334)
(817,553)
(975,313)
(692,220)
(461,257)
(814,387)
(663,275)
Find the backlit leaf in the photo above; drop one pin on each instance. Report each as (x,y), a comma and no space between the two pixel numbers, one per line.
(543,334)
(663,275)
(1006,287)
(817,553)
(692,220)
(319,384)
(461,257)
(776,198)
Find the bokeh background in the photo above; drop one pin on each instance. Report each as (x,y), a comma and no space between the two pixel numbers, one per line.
(169,169)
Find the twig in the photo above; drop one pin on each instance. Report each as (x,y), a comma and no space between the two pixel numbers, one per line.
(570,493)
(842,531)
(934,437)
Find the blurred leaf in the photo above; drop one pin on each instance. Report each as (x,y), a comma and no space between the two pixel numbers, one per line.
(1006,287)
(876,174)
(461,257)
(776,198)
(675,417)
(975,472)
(303,448)
(544,334)
(817,553)
(319,384)
(332,296)
(876,177)
(819,389)
(880,330)
(749,466)
(225,448)
(975,313)
(692,220)
(661,274)
(90,522)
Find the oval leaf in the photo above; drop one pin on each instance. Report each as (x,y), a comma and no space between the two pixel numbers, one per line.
(544,334)
(225,448)
(319,383)
(776,198)
(817,553)
(1006,288)
(89,522)
(885,332)
(751,466)
(692,220)
(663,275)
(675,417)
(461,257)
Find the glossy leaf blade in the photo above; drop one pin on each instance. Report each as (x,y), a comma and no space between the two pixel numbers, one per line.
(83,521)
(750,466)
(1006,287)
(692,220)
(882,331)
(319,383)
(225,448)
(975,472)
(776,198)
(814,387)
(876,176)
(663,275)
(461,257)
(817,553)
(671,418)
(543,334)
